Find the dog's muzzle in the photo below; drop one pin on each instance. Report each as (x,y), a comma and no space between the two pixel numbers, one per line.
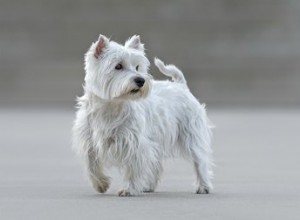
(139,81)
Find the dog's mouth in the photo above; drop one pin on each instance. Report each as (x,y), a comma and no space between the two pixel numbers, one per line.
(134,91)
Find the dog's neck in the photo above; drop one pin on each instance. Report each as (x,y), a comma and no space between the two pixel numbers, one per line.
(107,108)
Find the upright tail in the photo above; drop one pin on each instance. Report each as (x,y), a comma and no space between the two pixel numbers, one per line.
(170,71)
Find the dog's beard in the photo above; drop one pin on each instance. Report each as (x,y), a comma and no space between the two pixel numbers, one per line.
(132,91)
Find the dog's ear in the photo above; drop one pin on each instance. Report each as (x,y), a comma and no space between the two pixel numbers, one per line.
(102,43)
(135,43)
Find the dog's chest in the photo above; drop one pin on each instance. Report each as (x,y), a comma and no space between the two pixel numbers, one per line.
(118,132)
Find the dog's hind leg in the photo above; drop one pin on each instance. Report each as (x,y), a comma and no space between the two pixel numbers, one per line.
(202,165)
(196,145)
(203,177)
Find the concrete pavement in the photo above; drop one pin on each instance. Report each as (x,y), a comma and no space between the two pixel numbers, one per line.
(256,177)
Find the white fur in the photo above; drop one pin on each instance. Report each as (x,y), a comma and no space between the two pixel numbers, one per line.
(136,131)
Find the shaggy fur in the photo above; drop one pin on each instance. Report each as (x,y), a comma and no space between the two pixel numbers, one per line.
(134,127)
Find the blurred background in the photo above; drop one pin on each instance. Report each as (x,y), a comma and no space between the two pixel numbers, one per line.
(233,53)
(240,57)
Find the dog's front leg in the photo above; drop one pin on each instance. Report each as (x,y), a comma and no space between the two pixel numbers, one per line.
(83,143)
(97,177)
(133,179)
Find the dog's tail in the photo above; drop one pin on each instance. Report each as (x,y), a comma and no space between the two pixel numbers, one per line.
(170,70)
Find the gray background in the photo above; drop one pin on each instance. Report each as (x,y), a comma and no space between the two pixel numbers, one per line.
(232,52)
(240,57)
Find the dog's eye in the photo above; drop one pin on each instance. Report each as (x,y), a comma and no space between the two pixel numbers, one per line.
(137,68)
(119,66)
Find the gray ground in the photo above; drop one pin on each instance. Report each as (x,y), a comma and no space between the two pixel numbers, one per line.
(257,173)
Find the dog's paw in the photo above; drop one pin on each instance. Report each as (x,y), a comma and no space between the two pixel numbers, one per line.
(148,190)
(101,186)
(203,190)
(124,193)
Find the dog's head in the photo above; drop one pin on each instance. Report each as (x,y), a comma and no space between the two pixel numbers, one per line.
(114,71)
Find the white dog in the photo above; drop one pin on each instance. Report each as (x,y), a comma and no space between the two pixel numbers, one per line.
(127,119)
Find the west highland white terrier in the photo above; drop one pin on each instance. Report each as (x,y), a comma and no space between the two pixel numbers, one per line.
(127,119)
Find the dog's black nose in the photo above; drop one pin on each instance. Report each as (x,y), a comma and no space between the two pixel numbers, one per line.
(139,81)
